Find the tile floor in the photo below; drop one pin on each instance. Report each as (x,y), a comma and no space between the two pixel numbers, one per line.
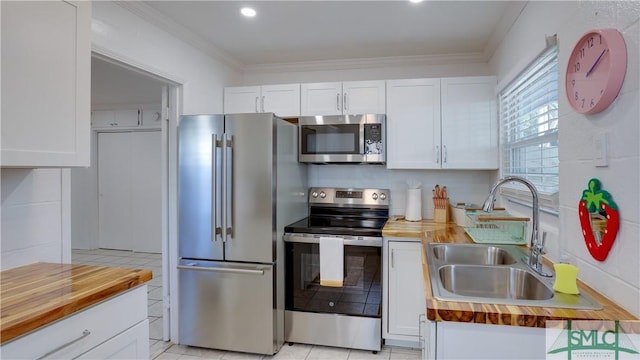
(166,350)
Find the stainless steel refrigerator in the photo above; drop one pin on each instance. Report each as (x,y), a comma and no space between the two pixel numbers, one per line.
(239,184)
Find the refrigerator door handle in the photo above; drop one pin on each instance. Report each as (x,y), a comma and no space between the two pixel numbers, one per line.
(217,230)
(227,183)
(222,269)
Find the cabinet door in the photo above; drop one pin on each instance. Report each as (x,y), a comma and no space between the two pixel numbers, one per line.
(406,287)
(132,343)
(46,53)
(103,118)
(413,124)
(146,194)
(114,191)
(115,118)
(321,99)
(469,123)
(242,99)
(282,100)
(364,97)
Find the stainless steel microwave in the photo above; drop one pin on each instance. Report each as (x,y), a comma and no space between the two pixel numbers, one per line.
(342,139)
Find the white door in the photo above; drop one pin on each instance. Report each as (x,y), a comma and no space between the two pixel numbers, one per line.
(364,97)
(146,201)
(469,123)
(129,188)
(321,99)
(406,287)
(282,100)
(114,191)
(413,124)
(241,99)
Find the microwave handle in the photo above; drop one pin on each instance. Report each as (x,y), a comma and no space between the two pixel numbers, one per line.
(338,102)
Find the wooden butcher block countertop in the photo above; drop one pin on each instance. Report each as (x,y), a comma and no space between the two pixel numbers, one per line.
(35,295)
(532,316)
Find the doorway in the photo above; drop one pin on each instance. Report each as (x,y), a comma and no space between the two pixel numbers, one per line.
(119,205)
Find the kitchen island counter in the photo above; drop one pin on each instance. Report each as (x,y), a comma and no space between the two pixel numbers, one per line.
(530,316)
(39,294)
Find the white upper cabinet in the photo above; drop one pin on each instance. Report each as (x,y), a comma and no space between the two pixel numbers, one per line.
(321,99)
(241,99)
(364,97)
(413,124)
(115,118)
(144,117)
(337,98)
(46,74)
(448,123)
(282,100)
(469,123)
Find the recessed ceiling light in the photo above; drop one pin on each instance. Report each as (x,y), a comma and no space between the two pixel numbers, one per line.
(248,12)
(415,1)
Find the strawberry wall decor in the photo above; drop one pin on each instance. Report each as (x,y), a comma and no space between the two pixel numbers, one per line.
(599,219)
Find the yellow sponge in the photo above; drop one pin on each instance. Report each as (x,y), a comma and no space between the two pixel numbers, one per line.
(566,275)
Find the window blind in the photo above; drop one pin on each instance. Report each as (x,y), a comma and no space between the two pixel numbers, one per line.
(529,123)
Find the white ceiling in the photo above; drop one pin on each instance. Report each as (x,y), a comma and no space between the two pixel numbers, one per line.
(302,31)
(285,32)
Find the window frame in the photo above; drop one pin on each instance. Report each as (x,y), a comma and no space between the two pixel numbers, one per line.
(549,200)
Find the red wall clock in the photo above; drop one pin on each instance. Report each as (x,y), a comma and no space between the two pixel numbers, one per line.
(596,70)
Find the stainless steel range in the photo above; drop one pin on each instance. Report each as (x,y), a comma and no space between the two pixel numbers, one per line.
(349,315)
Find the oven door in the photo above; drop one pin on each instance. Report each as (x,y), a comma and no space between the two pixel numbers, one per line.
(359,296)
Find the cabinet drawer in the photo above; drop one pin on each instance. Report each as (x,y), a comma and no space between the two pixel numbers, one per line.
(68,336)
(131,344)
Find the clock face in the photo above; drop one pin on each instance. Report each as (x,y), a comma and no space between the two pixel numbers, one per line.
(596,70)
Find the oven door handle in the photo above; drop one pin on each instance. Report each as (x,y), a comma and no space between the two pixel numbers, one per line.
(348,240)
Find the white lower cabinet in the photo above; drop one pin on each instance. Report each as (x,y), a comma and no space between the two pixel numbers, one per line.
(116,328)
(456,340)
(404,298)
(130,344)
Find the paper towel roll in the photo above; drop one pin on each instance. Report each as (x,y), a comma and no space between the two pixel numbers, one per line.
(413,211)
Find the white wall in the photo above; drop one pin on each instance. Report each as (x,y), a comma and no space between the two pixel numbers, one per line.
(35,224)
(618,277)
(400,68)
(119,33)
(469,186)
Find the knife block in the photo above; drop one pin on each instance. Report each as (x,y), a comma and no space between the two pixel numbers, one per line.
(441,215)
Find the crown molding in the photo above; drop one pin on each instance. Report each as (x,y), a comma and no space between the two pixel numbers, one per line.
(160,20)
(367,63)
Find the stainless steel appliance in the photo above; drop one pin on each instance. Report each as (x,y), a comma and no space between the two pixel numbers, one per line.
(239,185)
(342,139)
(349,316)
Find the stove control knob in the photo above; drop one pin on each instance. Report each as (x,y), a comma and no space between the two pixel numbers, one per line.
(314,194)
(322,194)
(374,196)
(383,196)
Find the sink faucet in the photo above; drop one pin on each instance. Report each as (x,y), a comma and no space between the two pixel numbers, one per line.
(536,246)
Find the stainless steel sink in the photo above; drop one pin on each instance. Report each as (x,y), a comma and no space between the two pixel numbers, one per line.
(494,274)
(493,282)
(473,254)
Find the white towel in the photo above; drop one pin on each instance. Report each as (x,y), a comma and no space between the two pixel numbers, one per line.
(331,261)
